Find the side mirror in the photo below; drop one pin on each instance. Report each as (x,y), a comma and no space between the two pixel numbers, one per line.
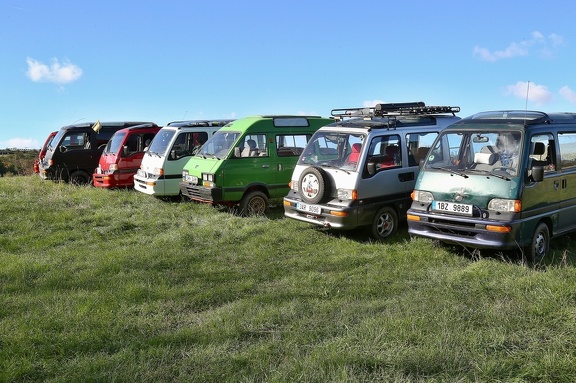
(371,167)
(125,150)
(237,152)
(63,149)
(537,173)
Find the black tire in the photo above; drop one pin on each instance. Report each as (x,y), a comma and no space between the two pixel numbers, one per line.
(254,203)
(79,177)
(385,223)
(314,185)
(539,244)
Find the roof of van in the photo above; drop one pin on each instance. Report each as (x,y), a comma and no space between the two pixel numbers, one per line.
(521,117)
(192,123)
(116,124)
(282,121)
(142,126)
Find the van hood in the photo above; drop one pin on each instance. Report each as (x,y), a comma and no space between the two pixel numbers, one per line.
(476,189)
(197,165)
(151,163)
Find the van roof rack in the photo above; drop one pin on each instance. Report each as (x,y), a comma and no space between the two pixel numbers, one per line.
(394,109)
(191,123)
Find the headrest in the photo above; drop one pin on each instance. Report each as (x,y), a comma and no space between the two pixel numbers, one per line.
(539,148)
(485,158)
(356,148)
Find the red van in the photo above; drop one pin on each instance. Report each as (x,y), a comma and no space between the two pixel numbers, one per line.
(122,156)
(43,152)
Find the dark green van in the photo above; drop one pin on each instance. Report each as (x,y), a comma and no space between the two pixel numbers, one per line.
(249,161)
(499,180)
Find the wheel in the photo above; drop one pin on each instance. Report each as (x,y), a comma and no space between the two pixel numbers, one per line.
(79,178)
(314,185)
(539,245)
(254,203)
(385,223)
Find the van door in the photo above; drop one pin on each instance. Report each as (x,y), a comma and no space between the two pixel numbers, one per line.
(542,198)
(566,181)
(253,165)
(185,145)
(388,178)
(75,152)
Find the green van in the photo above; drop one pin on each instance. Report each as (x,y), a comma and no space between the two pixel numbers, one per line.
(249,161)
(499,180)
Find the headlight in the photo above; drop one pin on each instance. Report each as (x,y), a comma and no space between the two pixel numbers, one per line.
(159,171)
(208,179)
(113,167)
(505,205)
(347,194)
(184,175)
(422,196)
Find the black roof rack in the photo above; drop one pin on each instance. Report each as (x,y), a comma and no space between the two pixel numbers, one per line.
(395,109)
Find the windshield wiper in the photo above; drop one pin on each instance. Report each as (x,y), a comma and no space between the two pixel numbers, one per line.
(450,171)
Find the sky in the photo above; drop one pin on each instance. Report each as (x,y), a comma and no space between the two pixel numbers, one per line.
(69,61)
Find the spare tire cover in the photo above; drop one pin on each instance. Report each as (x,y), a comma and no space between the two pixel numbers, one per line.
(314,185)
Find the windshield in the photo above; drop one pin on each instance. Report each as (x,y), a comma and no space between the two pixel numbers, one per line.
(219,144)
(115,142)
(493,152)
(161,141)
(333,148)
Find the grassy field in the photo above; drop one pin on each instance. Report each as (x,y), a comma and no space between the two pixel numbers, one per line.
(117,286)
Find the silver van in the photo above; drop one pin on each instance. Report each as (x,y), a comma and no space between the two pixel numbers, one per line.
(360,170)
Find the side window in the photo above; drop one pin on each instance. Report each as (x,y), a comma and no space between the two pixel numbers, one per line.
(385,152)
(418,145)
(132,144)
(76,140)
(180,147)
(567,144)
(146,140)
(253,145)
(291,145)
(542,152)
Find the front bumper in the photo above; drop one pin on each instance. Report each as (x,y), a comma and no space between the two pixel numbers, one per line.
(326,215)
(464,231)
(201,193)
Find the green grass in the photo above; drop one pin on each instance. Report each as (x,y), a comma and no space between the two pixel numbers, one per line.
(118,286)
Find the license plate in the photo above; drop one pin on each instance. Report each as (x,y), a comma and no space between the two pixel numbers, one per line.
(451,207)
(314,209)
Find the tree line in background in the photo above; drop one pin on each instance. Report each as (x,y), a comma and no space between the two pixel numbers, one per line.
(15,162)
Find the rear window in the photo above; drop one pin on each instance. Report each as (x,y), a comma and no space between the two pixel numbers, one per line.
(291,121)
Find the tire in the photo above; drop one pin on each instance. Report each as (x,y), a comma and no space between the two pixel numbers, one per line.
(314,185)
(79,178)
(539,244)
(385,223)
(254,203)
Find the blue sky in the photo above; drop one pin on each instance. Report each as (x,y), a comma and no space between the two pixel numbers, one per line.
(71,61)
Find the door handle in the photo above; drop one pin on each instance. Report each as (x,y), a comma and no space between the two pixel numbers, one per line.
(265,166)
(555,185)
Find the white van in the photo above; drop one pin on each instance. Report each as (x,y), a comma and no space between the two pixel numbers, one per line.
(359,172)
(160,172)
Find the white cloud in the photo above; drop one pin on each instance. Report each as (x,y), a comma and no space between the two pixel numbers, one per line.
(56,73)
(538,94)
(21,143)
(523,48)
(568,94)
